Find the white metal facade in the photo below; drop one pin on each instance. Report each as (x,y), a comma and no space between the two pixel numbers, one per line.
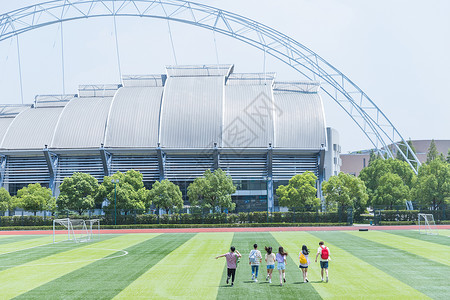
(174,125)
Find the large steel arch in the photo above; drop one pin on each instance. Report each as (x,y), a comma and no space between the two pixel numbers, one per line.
(364,112)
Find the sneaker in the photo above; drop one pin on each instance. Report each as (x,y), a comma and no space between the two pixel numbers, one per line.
(256,280)
(284,279)
(306,279)
(228,279)
(281,284)
(232,284)
(322,279)
(327,278)
(270,280)
(253,277)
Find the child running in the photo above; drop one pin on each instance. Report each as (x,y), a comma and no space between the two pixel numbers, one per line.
(281,260)
(270,262)
(254,259)
(304,262)
(232,258)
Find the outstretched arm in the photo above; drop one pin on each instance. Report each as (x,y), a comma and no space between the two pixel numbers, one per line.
(238,254)
(221,256)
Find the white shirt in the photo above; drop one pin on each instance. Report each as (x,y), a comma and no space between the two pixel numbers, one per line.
(320,253)
(258,257)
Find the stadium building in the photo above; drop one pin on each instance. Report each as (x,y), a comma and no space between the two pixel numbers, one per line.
(174,126)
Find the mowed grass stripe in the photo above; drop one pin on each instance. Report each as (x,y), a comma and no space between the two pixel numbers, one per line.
(442,238)
(426,276)
(6,239)
(106,278)
(18,280)
(189,272)
(422,248)
(25,244)
(29,254)
(245,288)
(349,275)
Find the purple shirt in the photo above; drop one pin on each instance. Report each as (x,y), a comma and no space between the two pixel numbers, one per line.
(231,260)
(280,258)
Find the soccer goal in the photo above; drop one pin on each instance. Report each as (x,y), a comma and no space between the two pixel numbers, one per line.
(78,230)
(427,224)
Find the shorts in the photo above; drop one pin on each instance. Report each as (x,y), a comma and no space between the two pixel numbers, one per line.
(281,266)
(324,264)
(303,267)
(270,266)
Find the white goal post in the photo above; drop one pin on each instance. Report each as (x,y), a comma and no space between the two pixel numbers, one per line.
(78,230)
(427,224)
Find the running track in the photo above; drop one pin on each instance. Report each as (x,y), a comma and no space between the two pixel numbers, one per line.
(232,229)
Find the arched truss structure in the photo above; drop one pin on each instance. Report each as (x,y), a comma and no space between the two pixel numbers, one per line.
(364,112)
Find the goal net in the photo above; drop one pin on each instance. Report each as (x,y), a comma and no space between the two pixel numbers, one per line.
(427,224)
(78,230)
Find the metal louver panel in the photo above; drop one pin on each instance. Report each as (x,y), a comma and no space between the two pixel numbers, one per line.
(29,169)
(85,164)
(244,166)
(284,166)
(183,167)
(147,165)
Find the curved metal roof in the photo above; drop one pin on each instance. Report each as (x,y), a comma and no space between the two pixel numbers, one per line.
(134,117)
(300,122)
(190,107)
(191,112)
(32,129)
(82,123)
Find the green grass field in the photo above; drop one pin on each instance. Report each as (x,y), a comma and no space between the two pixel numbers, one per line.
(372,265)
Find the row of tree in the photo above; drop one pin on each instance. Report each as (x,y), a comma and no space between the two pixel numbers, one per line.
(124,191)
(384,182)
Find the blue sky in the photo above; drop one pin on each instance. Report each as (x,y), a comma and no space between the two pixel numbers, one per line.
(396,51)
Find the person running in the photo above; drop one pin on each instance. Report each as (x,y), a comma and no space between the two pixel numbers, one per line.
(324,253)
(281,264)
(232,258)
(304,262)
(254,259)
(270,262)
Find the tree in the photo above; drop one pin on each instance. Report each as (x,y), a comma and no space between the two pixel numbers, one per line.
(448,156)
(35,198)
(404,149)
(372,174)
(300,192)
(212,191)
(78,193)
(373,156)
(432,152)
(166,195)
(391,191)
(5,199)
(6,203)
(131,193)
(345,190)
(433,184)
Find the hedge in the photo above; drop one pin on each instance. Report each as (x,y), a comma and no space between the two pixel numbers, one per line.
(216,218)
(412,215)
(152,226)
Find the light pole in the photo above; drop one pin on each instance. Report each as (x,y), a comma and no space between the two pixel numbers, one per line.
(115,181)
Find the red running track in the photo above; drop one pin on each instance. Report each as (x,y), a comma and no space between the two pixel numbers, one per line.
(232,229)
